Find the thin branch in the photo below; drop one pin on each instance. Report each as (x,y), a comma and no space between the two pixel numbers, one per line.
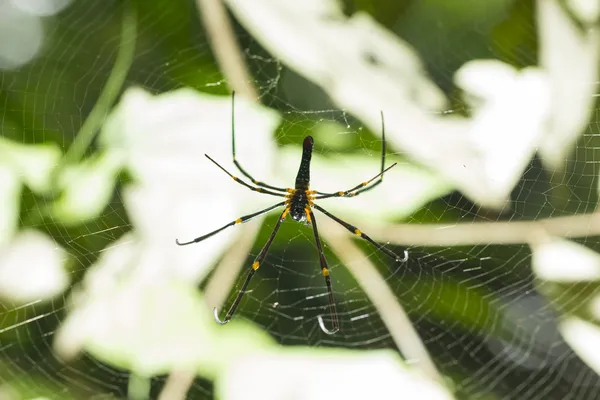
(484,233)
(395,319)
(111,90)
(225,47)
(228,269)
(177,385)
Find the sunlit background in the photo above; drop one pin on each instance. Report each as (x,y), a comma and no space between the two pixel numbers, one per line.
(108,107)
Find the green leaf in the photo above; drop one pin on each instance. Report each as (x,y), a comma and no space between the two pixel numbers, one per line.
(309,373)
(569,276)
(34,164)
(10,194)
(153,328)
(86,188)
(32,269)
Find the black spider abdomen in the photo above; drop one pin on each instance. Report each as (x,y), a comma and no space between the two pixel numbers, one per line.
(298,206)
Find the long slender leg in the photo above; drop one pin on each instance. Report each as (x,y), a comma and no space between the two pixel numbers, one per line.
(357,232)
(351,192)
(325,271)
(259,259)
(241,220)
(237,164)
(241,182)
(346,193)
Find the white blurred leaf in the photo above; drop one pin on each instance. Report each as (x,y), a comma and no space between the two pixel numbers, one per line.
(570,56)
(324,374)
(32,268)
(365,69)
(584,339)
(33,163)
(153,328)
(10,197)
(86,188)
(179,193)
(561,260)
(587,11)
(163,138)
(146,328)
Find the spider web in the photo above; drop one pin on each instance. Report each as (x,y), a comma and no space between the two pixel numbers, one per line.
(461,300)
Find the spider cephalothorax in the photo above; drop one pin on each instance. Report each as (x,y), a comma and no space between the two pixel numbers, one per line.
(298,204)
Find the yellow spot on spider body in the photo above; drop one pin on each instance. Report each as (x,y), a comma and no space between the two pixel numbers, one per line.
(307,211)
(255,265)
(325,271)
(357,232)
(238,221)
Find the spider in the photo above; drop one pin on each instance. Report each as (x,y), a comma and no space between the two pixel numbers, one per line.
(298,203)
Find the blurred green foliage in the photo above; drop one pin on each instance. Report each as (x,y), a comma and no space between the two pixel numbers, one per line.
(49,99)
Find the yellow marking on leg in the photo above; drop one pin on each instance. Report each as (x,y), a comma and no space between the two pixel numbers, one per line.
(340,193)
(365,183)
(325,271)
(307,211)
(238,221)
(290,191)
(255,265)
(285,213)
(235,178)
(357,232)
(258,189)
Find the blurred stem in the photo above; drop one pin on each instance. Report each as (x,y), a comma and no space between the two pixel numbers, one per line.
(111,90)
(177,385)
(484,233)
(393,315)
(138,387)
(225,47)
(229,267)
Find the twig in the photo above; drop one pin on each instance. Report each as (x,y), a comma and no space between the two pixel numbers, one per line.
(224,46)
(395,319)
(177,385)
(229,267)
(111,90)
(484,233)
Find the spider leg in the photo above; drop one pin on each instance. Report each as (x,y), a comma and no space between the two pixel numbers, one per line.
(261,256)
(241,182)
(241,220)
(355,190)
(352,192)
(357,232)
(325,271)
(237,164)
